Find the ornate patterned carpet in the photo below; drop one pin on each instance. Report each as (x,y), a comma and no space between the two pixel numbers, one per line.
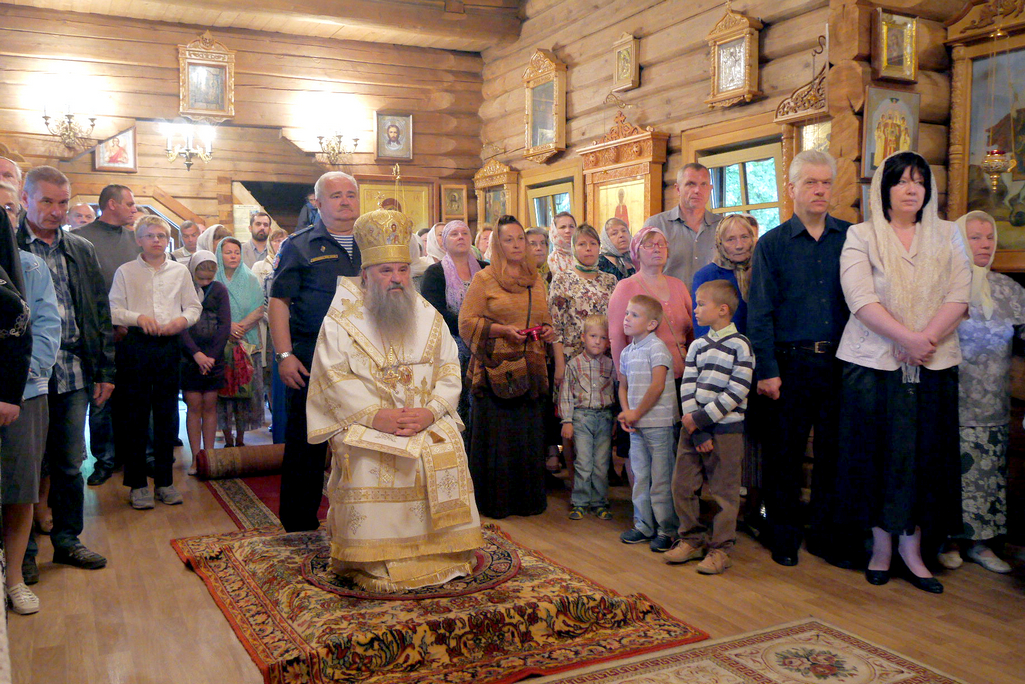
(803,652)
(519,615)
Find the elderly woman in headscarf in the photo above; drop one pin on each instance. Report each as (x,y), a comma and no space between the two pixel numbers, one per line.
(508,377)
(995,315)
(444,286)
(734,244)
(615,249)
(210,237)
(240,404)
(434,242)
(907,281)
(202,366)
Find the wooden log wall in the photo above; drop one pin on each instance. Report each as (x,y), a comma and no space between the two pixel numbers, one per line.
(850,51)
(287,91)
(673,56)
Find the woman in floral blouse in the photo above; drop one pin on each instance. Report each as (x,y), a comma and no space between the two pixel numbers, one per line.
(576,294)
(995,314)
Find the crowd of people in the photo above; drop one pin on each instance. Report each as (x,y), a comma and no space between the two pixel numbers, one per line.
(701,354)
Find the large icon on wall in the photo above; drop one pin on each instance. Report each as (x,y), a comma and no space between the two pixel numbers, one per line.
(206,77)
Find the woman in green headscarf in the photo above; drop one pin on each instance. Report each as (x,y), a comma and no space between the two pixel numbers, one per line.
(240,404)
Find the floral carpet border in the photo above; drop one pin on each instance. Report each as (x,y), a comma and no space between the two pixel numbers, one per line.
(547,619)
(807,651)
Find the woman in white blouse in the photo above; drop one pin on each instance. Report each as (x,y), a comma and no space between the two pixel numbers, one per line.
(907,281)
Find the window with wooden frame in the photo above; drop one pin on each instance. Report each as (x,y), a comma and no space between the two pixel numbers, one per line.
(747,180)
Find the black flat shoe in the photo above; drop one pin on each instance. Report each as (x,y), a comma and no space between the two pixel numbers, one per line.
(929,584)
(877,577)
(785,558)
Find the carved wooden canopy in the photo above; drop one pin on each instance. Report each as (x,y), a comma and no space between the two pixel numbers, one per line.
(980,18)
(625,143)
(494,173)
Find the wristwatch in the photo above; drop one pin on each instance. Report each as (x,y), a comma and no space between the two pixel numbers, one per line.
(281,356)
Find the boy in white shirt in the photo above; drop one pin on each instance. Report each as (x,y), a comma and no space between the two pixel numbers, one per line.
(154,298)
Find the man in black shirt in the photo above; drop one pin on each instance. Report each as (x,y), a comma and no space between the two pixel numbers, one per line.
(796,315)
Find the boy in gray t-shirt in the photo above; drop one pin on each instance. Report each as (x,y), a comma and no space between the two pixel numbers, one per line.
(647,394)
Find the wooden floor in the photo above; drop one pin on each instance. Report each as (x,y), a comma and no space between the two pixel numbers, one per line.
(146,619)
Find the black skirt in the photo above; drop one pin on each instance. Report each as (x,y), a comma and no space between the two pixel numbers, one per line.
(507,455)
(899,462)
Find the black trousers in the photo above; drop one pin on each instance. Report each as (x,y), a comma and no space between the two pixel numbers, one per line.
(147,380)
(302,471)
(809,398)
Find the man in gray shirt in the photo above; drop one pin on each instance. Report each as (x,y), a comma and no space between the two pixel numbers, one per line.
(256,249)
(114,246)
(689,227)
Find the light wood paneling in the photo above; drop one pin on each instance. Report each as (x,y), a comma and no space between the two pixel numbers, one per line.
(288,90)
(673,56)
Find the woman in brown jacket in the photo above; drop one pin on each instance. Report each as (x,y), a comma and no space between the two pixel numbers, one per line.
(505,321)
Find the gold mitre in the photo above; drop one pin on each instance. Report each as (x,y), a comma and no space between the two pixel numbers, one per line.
(383,237)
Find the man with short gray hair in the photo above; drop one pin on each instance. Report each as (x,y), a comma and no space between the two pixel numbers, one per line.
(309,264)
(189,232)
(85,361)
(796,315)
(80,215)
(10,172)
(689,227)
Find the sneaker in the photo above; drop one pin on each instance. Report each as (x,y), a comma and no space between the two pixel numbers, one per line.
(603,513)
(634,536)
(661,543)
(141,498)
(168,496)
(715,563)
(80,557)
(22,600)
(682,552)
(951,560)
(990,561)
(29,570)
(576,513)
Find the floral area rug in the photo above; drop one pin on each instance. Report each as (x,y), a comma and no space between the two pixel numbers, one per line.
(803,652)
(519,615)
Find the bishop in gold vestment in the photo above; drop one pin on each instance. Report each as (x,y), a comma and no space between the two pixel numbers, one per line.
(383,390)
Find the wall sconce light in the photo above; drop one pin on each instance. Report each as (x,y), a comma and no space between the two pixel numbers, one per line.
(72,133)
(182,139)
(334,147)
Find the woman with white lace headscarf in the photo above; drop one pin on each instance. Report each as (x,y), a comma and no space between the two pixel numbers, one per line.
(907,282)
(995,316)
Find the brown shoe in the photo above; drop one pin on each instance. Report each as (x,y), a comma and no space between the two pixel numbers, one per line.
(715,563)
(683,552)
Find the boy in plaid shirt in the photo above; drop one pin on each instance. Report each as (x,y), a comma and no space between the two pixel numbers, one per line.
(585,404)
(716,381)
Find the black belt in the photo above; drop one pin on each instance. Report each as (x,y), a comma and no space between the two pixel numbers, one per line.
(821,347)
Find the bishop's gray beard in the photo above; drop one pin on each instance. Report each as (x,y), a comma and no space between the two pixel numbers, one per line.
(392,312)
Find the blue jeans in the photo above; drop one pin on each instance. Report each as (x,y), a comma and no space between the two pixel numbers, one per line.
(592,439)
(65,450)
(652,456)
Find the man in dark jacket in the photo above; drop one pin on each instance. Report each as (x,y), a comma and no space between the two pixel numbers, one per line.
(86,357)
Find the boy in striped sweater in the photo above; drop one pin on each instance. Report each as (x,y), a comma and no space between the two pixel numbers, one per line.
(717,377)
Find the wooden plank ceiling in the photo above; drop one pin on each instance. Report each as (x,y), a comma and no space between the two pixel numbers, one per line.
(467,25)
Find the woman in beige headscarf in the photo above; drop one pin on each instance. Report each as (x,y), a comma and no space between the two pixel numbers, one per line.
(984,385)
(508,376)
(907,282)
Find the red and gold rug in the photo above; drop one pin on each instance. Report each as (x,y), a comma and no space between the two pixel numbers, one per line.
(542,619)
(518,615)
(803,652)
